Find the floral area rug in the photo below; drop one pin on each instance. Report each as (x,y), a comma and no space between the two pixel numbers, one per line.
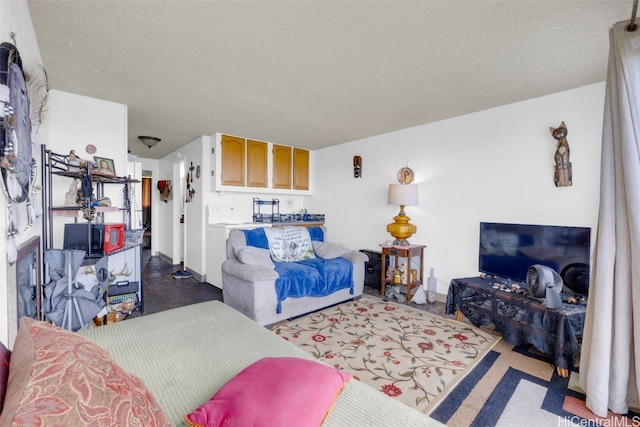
(404,352)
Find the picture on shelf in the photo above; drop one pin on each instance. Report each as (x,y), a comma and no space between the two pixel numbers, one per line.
(105,166)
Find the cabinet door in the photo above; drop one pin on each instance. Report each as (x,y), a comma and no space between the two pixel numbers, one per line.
(281,166)
(300,169)
(233,150)
(257,164)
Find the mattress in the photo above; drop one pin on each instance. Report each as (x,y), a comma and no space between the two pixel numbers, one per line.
(185,355)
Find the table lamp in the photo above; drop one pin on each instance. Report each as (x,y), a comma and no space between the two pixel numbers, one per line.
(403,195)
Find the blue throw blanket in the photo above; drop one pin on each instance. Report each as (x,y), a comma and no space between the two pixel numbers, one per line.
(314,277)
(256,236)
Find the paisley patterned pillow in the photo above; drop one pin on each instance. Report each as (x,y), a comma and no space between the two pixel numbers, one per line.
(58,377)
(5,356)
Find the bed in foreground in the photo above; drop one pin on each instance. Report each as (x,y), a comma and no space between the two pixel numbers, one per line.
(185,355)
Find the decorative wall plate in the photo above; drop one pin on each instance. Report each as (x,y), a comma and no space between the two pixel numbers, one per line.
(405,175)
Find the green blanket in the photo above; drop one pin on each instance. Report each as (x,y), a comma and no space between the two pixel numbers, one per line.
(186,354)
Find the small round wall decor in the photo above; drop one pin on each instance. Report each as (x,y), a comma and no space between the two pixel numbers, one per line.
(405,175)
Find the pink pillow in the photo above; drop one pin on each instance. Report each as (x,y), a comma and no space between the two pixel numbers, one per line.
(273,392)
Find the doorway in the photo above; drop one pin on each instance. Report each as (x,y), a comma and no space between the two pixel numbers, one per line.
(146,211)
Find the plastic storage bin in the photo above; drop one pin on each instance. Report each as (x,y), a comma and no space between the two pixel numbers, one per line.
(133,237)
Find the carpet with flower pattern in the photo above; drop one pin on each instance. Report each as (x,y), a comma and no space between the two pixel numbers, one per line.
(408,354)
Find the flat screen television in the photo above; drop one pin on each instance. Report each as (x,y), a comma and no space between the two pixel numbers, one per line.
(508,250)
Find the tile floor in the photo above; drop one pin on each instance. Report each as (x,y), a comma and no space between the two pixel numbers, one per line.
(163,292)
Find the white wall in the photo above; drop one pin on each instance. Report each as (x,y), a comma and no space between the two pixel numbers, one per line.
(153,166)
(162,221)
(495,165)
(196,154)
(134,171)
(73,122)
(170,242)
(15,17)
(178,212)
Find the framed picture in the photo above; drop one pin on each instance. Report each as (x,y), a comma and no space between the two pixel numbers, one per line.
(105,166)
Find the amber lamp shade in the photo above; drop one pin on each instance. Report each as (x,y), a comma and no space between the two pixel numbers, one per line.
(402,195)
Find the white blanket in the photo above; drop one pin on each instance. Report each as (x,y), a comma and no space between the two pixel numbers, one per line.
(289,244)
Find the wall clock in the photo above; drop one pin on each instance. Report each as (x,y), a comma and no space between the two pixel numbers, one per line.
(405,175)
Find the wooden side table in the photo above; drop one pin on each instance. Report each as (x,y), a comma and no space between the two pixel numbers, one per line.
(399,253)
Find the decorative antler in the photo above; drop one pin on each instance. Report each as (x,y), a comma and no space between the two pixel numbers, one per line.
(124,272)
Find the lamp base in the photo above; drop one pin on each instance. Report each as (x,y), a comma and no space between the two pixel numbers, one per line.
(401,229)
(401,242)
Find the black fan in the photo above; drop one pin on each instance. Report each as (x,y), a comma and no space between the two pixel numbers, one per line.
(576,278)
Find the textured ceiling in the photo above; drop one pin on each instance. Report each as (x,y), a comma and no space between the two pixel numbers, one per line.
(316,73)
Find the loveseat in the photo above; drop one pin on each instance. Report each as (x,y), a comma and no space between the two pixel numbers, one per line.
(274,274)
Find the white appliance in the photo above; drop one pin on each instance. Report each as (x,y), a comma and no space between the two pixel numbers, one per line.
(220,221)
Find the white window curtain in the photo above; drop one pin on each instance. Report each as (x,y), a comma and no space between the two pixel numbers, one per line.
(610,356)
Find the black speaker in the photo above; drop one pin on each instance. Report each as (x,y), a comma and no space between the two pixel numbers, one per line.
(373,268)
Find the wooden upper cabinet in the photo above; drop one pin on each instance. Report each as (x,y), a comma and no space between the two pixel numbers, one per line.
(233,154)
(281,166)
(247,163)
(300,169)
(257,154)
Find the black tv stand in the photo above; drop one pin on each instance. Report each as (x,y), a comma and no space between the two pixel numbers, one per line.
(520,318)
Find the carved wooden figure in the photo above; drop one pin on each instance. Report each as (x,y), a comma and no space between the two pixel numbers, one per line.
(562,175)
(357,167)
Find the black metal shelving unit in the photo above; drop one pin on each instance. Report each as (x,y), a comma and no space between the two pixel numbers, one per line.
(54,164)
